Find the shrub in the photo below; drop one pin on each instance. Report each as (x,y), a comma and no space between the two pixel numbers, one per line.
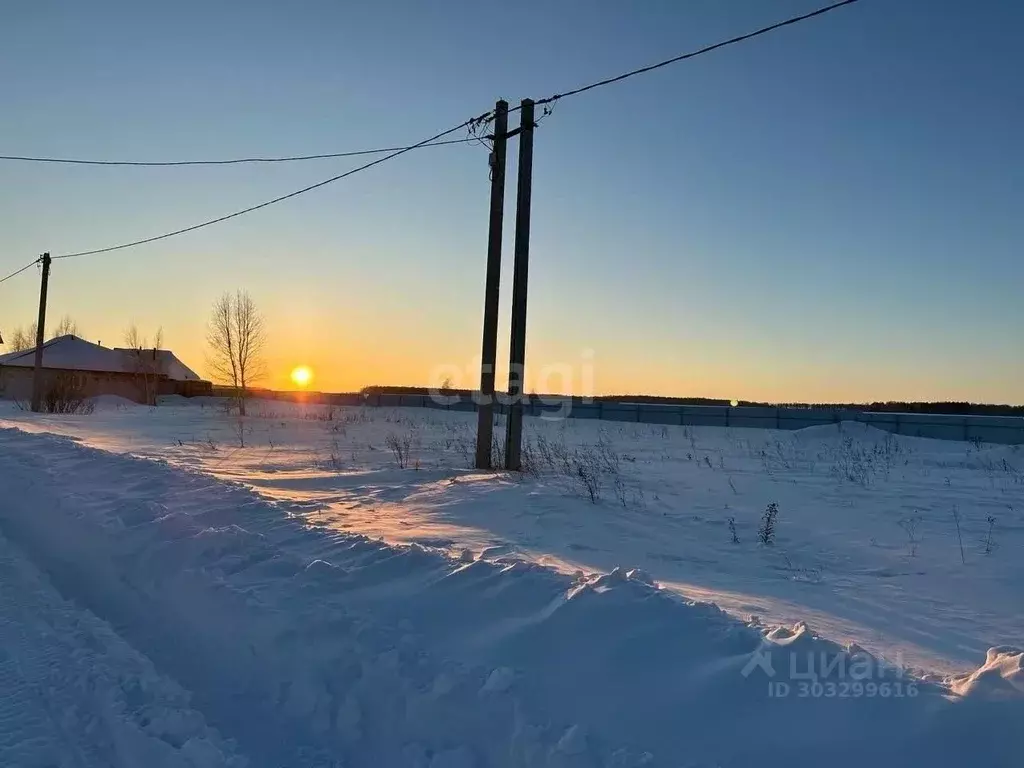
(732,530)
(400,447)
(766,533)
(66,395)
(587,476)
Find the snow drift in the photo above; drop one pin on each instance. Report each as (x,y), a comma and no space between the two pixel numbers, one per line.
(306,646)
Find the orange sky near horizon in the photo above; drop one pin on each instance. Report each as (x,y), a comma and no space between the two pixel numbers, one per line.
(348,362)
(346,355)
(382,338)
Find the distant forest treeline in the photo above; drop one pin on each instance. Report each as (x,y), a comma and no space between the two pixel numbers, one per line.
(945,407)
(891,406)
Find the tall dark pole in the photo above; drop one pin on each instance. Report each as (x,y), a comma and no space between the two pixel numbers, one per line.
(517,347)
(37,377)
(492,283)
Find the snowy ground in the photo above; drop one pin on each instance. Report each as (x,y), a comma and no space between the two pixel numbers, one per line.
(844,559)
(300,641)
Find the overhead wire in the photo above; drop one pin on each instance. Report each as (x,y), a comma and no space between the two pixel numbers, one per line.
(17,272)
(234,161)
(296,193)
(474,124)
(692,54)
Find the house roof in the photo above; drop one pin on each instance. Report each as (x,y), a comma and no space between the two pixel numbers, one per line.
(70,353)
(166,362)
(75,354)
(174,368)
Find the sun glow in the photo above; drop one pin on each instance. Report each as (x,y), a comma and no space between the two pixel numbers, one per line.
(302,375)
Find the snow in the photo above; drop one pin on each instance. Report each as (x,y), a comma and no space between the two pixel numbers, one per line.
(315,604)
(849,499)
(112,402)
(74,693)
(166,362)
(70,353)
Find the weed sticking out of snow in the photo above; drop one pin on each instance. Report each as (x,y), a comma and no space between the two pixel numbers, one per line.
(766,533)
(959,536)
(909,526)
(240,430)
(732,530)
(989,542)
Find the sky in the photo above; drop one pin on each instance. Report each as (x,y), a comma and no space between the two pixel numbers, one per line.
(833,212)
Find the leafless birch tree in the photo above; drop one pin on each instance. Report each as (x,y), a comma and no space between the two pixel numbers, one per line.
(23,338)
(66,327)
(144,361)
(237,337)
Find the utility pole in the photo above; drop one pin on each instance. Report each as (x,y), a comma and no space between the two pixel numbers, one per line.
(517,347)
(37,377)
(492,283)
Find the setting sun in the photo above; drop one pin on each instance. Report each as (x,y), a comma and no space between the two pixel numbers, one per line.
(302,375)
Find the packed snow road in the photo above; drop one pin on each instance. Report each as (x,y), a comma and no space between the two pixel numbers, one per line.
(152,616)
(73,693)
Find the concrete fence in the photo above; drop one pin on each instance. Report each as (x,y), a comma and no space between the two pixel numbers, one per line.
(1008,430)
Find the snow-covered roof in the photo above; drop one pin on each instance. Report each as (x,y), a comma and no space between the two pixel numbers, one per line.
(166,362)
(70,353)
(75,354)
(174,368)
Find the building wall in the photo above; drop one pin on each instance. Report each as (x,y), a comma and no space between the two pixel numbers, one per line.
(16,383)
(185,387)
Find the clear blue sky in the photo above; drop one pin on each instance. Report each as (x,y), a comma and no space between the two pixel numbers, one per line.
(834,211)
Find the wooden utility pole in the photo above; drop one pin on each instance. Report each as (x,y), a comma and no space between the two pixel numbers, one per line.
(37,376)
(492,283)
(517,347)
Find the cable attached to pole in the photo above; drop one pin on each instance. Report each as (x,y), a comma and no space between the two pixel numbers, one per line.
(17,272)
(296,193)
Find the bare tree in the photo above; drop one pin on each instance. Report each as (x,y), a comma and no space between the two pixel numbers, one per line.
(23,338)
(66,327)
(237,337)
(144,360)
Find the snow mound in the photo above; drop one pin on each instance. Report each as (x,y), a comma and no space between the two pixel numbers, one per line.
(1000,677)
(172,400)
(112,403)
(855,429)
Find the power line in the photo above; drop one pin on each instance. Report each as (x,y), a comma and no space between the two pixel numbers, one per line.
(325,182)
(473,124)
(19,271)
(294,158)
(692,54)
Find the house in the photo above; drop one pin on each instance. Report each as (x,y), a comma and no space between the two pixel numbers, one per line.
(162,362)
(91,370)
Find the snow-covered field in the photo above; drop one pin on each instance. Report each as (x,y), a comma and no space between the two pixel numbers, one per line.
(354,595)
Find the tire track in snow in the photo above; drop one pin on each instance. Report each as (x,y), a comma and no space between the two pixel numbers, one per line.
(72,693)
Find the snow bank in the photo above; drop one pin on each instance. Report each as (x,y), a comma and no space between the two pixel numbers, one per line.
(112,403)
(855,429)
(311,647)
(1001,676)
